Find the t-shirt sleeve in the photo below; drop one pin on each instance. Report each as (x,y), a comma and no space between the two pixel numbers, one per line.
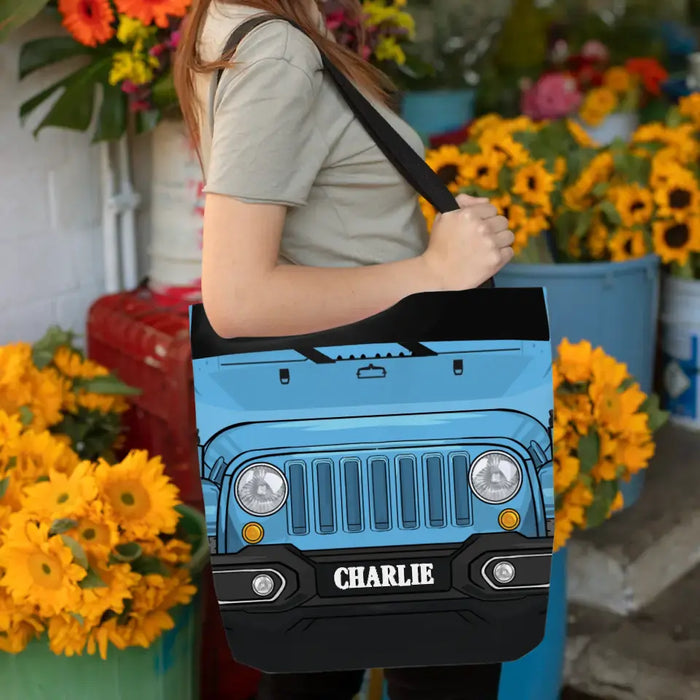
(266,147)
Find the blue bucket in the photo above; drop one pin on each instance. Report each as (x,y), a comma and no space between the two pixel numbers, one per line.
(435,112)
(612,304)
(539,675)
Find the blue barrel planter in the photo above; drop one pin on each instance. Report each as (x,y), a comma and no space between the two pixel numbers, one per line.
(435,112)
(539,675)
(612,304)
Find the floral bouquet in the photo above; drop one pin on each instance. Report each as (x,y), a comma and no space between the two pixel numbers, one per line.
(602,435)
(127,48)
(51,386)
(587,87)
(378,35)
(91,554)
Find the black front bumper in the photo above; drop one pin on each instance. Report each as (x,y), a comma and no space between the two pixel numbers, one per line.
(420,606)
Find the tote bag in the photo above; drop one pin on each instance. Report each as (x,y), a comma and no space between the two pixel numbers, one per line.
(381,494)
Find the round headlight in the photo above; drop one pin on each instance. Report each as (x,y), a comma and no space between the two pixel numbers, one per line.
(261,489)
(495,477)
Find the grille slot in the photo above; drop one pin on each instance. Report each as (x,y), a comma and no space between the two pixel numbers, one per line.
(460,474)
(325,498)
(435,488)
(379,493)
(298,523)
(408,495)
(352,494)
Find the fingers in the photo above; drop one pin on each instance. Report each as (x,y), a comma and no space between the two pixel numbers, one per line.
(466,200)
(498,224)
(504,239)
(481,211)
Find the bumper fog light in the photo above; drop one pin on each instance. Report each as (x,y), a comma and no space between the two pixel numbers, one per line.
(504,572)
(263,584)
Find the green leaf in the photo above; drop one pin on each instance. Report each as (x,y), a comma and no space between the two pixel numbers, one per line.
(78,552)
(600,189)
(127,553)
(26,108)
(163,93)
(674,118)
(45,348)
(111,121)
(150,565)
(657,417)
(107,384)
(504,180)
(588,451)
(58,527)
(75,106)
(4,484)
(49,50)
(11,463)
(78,617)
(124,616)
(598,511)
(26,415)
(583,223)
(147,120)
(610,213)
(92,580)
(472,148)
(15,13)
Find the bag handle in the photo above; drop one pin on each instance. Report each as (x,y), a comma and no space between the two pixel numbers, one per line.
(412,167)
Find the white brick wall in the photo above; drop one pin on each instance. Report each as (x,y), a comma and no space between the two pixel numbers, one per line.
(50,208)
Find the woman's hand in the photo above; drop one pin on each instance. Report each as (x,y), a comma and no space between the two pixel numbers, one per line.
(468,246)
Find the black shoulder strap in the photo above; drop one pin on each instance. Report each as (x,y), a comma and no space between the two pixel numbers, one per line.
(409,163)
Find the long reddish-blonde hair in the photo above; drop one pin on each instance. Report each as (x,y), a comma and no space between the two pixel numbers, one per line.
(188,61)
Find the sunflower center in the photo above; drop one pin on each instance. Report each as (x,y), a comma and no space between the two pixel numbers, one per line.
(448,173)
(627,247)
(679,198)
(506,212)
(45,570)
(636,206)
(89,533)
(677,236)
(483,171)
(532,183)
(130,499)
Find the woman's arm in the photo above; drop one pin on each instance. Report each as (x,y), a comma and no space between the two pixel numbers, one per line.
(247,293)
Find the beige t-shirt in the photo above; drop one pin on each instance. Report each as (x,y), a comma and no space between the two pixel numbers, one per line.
(276,130)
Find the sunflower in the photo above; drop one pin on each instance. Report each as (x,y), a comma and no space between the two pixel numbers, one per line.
(560,168)
(681,144)
(483,124)
(482,169)
(501,141)
(67,634)
(575,361)
(91,22)
(39,569)
(156,12)
(119,582)
(138,495)
(580,135)
(679,197)
(529,226)
(675,240)
(97,534)
(534,183)
(597,240)
(634,203)
(618,79)
(689,106)
(18,625)
(597,105)
(448,162)
(71,364)
(104,403)
(627,244)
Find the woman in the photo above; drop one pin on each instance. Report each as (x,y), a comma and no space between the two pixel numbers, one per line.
(308,226)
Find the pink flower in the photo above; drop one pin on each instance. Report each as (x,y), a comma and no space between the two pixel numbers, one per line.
(553,96)
(595,50)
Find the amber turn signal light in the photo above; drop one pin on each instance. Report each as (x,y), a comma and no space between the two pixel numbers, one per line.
(253,533)
(509,519)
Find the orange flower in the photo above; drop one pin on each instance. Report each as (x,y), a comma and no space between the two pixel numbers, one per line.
(650,71)
(153,11)
(91,22)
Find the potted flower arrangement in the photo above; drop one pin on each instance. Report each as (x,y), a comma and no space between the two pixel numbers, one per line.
(99,561)
(604,98)
(603,434)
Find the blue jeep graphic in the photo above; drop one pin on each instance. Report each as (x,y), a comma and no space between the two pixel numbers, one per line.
(381,502)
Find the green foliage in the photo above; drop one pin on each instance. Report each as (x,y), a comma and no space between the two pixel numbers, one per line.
(589,451)
(45,348)
(15,13)
(603,498)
